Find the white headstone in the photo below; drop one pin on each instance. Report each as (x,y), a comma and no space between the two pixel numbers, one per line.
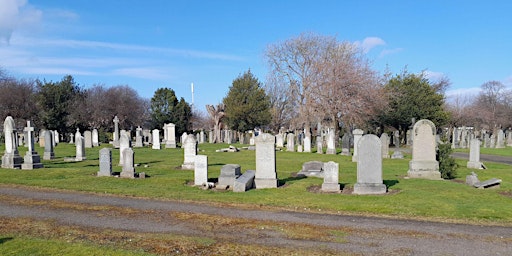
(307,144)
(266,175)
(171,135)
(80,148)
(124,143)
(190,152)
(331,177)
(11,159)
(156,139)
(474,155)
(95,138)
(32,160)
(331,146)
(358,133)
(105,162)
(290,144)
(424,164)
(200,170)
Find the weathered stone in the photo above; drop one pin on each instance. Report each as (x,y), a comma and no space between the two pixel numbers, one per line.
(384,138)
(105,162)
(32,160)
(95,138)
(200,170)
(245,181)
(156,139)
(128,170)
(228,174)
(345,145)
(491,183)
(266,175)
(369,166)
(331,177)
(88,139)
(124,143)
(48,146)
(358,133)
(474,155)
(190,152)
(290,142)
(115,141)
(424,164)
(312,169)
(331,146)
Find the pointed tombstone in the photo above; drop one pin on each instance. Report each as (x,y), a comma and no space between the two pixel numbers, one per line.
(358,133)
(290,142)
(331,148)
(369,166)
(266,176)
(474,155)
(128,170)
(384,138)
(95,138)
(190,152)
(48,146)
(200,170)
(156,139)
(80,148)
(124,143)
(88,139)
(331,177)
(424,164)
(105,162)
(11,159)
(32,160)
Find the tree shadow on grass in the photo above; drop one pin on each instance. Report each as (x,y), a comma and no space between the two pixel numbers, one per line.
(282,182)
(5,239)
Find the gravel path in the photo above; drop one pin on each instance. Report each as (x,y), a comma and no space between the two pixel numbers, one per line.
(371,236)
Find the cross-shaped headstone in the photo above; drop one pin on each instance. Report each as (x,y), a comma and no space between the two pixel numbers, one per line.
(30,130)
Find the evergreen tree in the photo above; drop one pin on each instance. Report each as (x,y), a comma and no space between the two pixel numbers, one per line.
(246,105)
(165,108)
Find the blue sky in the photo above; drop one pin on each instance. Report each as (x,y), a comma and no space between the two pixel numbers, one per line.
(163,43)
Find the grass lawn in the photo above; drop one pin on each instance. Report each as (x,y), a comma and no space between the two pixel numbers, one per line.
(408,198)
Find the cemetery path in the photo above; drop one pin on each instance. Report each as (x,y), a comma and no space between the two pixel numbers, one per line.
(484,158)
(362,235)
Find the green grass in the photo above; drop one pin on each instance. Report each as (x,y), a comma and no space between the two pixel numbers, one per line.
(410,198)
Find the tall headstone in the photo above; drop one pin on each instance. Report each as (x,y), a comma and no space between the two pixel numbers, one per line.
(56,138)
(266,175)
(105,162)
(80,148)
(358,133)
(156,139)
(190,152)
(32,160)
(307,144)
(492,143)
(138,138)
(369,166)
(331,177)
(331,146)
(11,159)
(500,139)
(279,140)
(384,138)
(95,138)
(345,145)
(53,139)
(71,138)
(487,140)
(124,143)
(509,138)
(474,155)
(42,132)
(48,146)
(319,145)
(200,170)
(290,144)
(171,136)
(88,139)
(424,164)
(116,132)
(128,170)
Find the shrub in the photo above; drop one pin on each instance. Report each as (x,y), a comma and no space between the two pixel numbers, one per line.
(447,165)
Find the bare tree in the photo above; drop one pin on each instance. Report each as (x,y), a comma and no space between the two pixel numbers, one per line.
(491,104)
(17,99)
(216,114)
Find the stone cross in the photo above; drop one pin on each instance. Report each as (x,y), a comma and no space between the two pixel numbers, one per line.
(116,132)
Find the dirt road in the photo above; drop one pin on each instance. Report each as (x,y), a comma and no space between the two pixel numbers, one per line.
(365,235)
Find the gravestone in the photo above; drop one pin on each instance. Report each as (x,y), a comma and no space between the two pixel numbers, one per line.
(228,174)
(369,166)
(474,155)
(245,181)
(88,139)
(396,138)
(500,139)
(331,177)
(384,138)
(358,133)
(200,170)
(56,138)
(290,142)
(492,141)
(48,146)
(279,140)
(95,138)
(128,170)
(190,152)
(331,146)
(71,138)
(11,159)
(156,139)
(424,164)
(42,132)
(138,138)
(105,162)
(124,143)
(312,169)
(345,145)
(509,138)
(307,144)
(210,137)
(115,142)
(319,145)
(32,160)
(266,175)
(80,148)
(171,136)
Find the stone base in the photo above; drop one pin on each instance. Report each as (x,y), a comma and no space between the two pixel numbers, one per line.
(424,170)
(48,155)
(170,145)
(102,174)
(31,161)
(11,161)
(227,180)
(354,159)
(475,165)
(265,183)
(331,187)
(128,174)
(330,151)
(345,152)
(369,189)
(397,155)
(188,166)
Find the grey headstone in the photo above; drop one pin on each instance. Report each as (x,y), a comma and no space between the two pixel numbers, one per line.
(384,138)
(312,169)
(228,174)
(331,177)
(88,139)
(48,146)
(266,175)
(290,142)
(105,162)
(245,181)
(128,170)
(369,166)
(474,155)
(358,133)
(190,152)
(424,164)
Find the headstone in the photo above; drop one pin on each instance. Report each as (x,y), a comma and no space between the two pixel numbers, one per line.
(492,143)
(319,145)
(95,138)
(290,142)
(245,181)
(424,164)
(312,169)
(116,132)
(105,162)
(331,146)
(156,139)
(331,177)
(32,160)
(307,144)
(11,159)
(128,170)
(53,139)
(500,139)
(42,132)
(88,139)
(345,145)
(80,148)
(396,138)
(228,174)
(279,140)
(48,146)
(190,152)
(491,183)
(200,170)
(474,155)
(358,133)
(138,138)
(509,138)
(210,137)
(56,138)
(71,138)
(463,137)
(472,179)
(171,136)
(384,138)
(124,143)
(266,175)
(369,166)
(487,140)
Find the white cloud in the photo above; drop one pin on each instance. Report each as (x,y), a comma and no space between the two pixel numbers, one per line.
(371,42)
(150,73)
(389,52)
(462,91)
(431,75)
(15,14)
